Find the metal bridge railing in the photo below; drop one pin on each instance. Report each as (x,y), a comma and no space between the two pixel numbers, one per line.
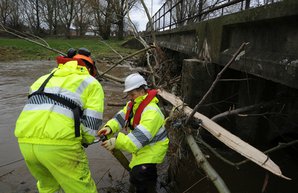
(172,15)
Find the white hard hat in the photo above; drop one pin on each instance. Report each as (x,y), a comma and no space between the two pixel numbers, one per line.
(134,81)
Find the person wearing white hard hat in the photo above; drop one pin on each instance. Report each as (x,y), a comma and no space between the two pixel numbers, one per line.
(146,140)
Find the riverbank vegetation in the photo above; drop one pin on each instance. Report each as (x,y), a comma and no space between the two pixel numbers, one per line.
(20,49)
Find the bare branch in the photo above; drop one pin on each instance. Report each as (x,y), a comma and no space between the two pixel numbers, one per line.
(239,110)
(216,80)
(143,42)
(216,153)
(194,184)
(278,147)
(227,138)
(32,41)
(150,22)
(129,56)
(204,164)
(102,40)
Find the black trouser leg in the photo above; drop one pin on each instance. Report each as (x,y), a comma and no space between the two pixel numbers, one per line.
(143,178)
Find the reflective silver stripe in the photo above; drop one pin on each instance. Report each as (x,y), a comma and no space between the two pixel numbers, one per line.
(66,93)
(84,84)
(142,137)
(120,118)
(134,140)
(161,135)
(93,113)
(89,131)
(143,130)
(119,125)
(161,130)
(49,107)
(153,108)
(91,122)
(71,95)
(43,99)
(91,119)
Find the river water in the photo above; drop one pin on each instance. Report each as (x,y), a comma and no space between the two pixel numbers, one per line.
(15,79)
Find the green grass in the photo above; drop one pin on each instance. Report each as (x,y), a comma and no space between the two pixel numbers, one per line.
(19,49)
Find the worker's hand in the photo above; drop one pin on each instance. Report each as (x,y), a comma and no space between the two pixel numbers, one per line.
(104,131)
(109,144)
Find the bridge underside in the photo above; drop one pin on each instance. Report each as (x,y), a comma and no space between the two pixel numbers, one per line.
(272,33)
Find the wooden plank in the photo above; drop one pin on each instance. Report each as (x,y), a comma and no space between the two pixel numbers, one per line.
(226,137)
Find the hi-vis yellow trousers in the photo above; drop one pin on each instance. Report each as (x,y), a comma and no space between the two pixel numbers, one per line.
(59,166)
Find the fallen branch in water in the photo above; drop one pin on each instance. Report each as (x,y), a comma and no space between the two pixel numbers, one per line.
(239,110)
(237,53)
(194,184)
(237,164)
(226,137)
(278,147)
(201,141)
(204,164)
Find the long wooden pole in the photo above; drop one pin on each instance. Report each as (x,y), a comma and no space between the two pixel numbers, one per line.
(226,137)
(202,162)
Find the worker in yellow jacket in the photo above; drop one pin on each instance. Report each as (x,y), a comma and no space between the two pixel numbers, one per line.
(147,139)
(63,112)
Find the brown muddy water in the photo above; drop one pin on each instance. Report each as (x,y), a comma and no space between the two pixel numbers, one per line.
(15,79)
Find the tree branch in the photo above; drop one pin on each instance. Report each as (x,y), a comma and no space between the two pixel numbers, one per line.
(216,80)
(32,41)
(278,147)
(129,56)
(204,164)
(220,116)
(227,138)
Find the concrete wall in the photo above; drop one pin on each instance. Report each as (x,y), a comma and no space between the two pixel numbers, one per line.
(272,32)
(266,73)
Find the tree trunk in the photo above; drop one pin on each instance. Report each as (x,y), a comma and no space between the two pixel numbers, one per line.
(107,23)
(120,28)
(37,18)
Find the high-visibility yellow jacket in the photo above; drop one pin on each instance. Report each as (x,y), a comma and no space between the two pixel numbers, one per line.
(148,141)
(45,121)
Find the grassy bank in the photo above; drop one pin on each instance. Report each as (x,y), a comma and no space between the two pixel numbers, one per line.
(19,49)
